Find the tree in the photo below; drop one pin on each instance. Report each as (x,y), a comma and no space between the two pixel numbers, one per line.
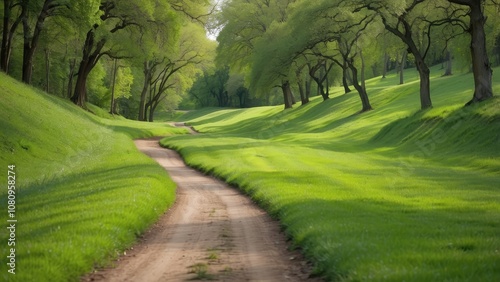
(403,20)
(481,65)
(159,44)
(323,66)
(244,23)
(115,16)
(121,84)
(11,19)
(333,33)
(43,10)
(159,35)
(216,85)
(235,86)
(180,64)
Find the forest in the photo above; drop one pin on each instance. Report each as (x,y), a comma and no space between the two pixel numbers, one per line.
(131,57)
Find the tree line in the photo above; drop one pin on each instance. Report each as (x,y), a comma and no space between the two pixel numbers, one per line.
(129,56)
(292,44)
(135,56)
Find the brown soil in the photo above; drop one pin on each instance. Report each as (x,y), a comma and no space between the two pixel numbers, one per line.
(212,232)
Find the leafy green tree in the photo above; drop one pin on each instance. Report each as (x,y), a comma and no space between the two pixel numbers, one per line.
(121,84)
(115,17)
(244,24)
(161,45)
(33,27)
(180,63)
(405,19)
(481,65)
(333,33)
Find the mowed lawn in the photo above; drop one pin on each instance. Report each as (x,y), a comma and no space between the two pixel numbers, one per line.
(83,191)
(394,194)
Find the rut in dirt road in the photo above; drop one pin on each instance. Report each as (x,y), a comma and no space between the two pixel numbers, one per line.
(212,232)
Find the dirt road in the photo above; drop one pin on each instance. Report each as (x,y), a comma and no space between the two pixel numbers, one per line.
(212,232)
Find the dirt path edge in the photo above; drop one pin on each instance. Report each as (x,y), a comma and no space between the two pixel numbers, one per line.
(211,232)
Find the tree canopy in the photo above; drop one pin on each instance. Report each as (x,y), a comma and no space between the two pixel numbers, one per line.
(270,51)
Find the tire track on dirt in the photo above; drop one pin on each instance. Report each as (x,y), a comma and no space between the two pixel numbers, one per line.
(211,232)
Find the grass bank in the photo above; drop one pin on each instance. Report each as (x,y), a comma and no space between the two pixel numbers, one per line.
(394,194)
(83,191)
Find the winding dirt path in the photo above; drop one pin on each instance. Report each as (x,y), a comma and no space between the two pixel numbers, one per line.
(212,232)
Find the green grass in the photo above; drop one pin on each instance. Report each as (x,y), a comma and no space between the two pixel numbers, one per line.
(84,192)
(394,194)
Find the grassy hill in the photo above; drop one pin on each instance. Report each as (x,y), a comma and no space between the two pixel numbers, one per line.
(83,191)
(394,194)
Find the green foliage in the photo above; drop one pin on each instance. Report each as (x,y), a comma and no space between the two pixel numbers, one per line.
(83,192)
(98,93)
(389,195)
(124,81)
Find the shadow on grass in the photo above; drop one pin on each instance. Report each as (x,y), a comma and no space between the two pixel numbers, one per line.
(376,239)
(467,130)
(85,218)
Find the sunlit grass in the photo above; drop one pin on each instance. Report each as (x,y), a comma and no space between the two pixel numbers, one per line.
(84,192)
(395,194)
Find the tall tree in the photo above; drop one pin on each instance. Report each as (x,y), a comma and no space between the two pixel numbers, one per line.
(158,45)
(182,62)
(244,23)
(12,16)
(481,65)
(404,19)
(347,35)
(115,17)
(31,35)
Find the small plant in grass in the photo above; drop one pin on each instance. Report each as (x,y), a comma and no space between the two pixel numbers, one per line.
(213,255)
(201,272)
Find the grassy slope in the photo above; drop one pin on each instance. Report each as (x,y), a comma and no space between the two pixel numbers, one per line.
(83,190)
(393,194)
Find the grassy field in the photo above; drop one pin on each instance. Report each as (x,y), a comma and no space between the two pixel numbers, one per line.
(83,191)
(394,194)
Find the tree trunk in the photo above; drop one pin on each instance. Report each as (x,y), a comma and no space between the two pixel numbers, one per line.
(8,32)
(152,113)
(80,95)
(344,78)
(425,84)
(112,107)
(287,94)
(308,87)
(448,69)
(91,52)
(292,98)
(363,67)
(480,62)
(148,71)
(31,40)
(384,67)
(304,99)
(402,66)
(4,50)
(27,57)
(324,71)
(365,101)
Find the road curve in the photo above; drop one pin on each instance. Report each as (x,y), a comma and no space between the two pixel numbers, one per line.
(212,232)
